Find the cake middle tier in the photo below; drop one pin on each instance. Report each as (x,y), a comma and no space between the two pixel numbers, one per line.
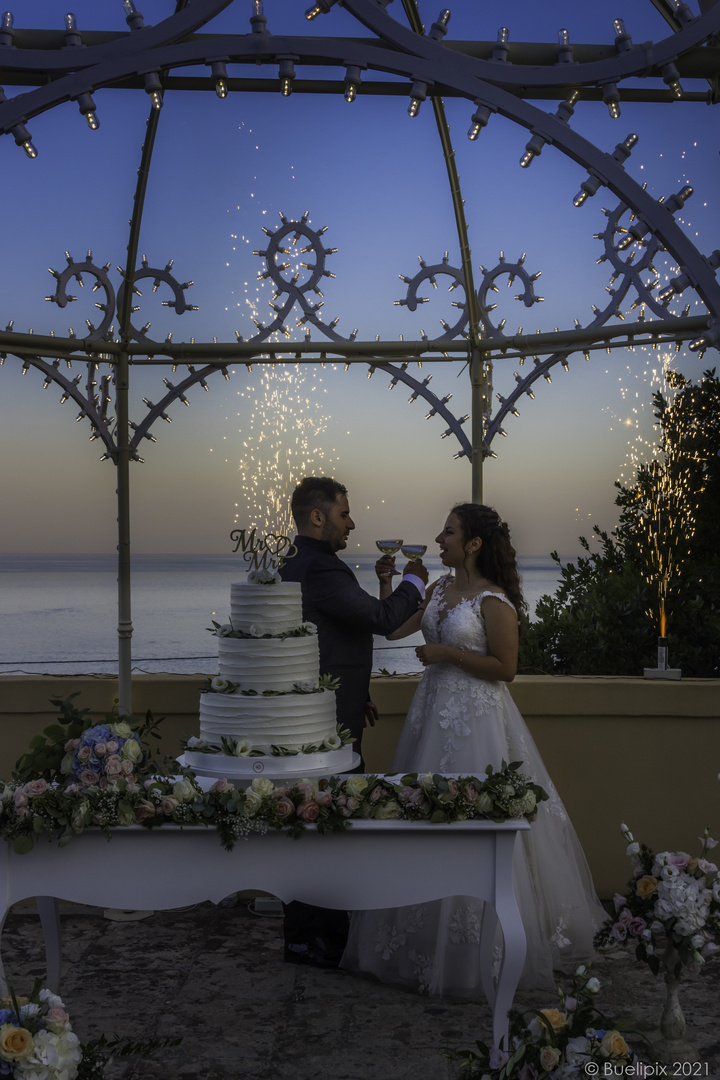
(269,663)
(291,720)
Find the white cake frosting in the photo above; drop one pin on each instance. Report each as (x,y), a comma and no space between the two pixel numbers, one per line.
(277,700)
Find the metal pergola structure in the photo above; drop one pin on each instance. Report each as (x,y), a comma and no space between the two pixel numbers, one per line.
(498,77)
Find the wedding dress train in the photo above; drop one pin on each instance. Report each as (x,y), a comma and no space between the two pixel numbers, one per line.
(458,724)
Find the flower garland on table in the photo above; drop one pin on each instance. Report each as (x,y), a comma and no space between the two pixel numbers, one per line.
(37,1041)
(573,1041)
(673,901)
(37,807)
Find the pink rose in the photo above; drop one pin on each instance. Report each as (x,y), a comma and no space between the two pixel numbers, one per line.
(100,749)
(20,799)
(679,859)
(341,801)
(636,926)
(56,1020)
(284,807)
(306,789)
(88,777)
(70,745)
(222,785)
(143,810)
(113,766)
(625,916)
(352,804)
(36,787)
(619,931)
(471,792)
(84,754)
(378,793)
(279,792)
(308,811)
(169,805)
(111,746)
(619,901)
(126,768)
(323,798)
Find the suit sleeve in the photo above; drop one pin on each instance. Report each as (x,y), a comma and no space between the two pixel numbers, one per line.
(338,595)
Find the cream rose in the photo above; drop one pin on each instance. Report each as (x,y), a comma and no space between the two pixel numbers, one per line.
(16,1043)
(184,791)
(253,802)
(121,729)
(556,1019)
(484,803)
(132,751)
(388,810)
(355,785)
(614,1046)
(549,1057)
(646,886)
(262,786)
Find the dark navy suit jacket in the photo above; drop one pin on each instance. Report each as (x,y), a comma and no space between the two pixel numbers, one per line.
(346,617)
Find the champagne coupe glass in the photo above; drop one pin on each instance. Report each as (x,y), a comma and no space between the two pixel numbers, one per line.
(414,551)
(389,547)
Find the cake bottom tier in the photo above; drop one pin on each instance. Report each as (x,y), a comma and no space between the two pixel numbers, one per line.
(287,720)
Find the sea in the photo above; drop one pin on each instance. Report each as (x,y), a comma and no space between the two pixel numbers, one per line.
(59,612)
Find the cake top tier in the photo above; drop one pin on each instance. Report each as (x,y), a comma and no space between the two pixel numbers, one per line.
(275,608)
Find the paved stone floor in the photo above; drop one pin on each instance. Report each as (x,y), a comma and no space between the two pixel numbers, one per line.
(216,976)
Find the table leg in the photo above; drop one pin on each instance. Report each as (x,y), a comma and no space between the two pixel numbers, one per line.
(515,942)
(49,911)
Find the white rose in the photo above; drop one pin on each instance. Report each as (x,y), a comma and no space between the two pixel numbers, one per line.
(333,742)
(257,631)
(132,751)
(184,791)
(592,985)
(219,684)
(262,786)
(426,780)
(224,631)
(529,803)
(243,747)
(310,627)
(253,802)
(122,729)
(306,686)
(355,785)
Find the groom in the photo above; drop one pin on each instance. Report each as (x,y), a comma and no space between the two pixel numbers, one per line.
(345,615)
(346,618)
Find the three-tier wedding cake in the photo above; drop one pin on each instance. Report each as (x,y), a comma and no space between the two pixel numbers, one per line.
(268,710)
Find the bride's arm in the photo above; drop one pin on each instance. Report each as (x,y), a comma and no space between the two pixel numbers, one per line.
(413,624)
(502,636)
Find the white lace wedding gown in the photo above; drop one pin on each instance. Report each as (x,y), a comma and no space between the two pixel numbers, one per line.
(458,724)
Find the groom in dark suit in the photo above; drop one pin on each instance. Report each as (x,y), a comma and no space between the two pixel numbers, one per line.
(346,618)
(345,615)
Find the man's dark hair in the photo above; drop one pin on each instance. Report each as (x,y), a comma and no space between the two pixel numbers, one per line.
(314,493)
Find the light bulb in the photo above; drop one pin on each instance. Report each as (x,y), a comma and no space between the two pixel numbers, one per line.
(479,119)
(414,107)
(70,21)
(221,88)
(350,92)
(611,97)
(156,99)
(92,121)
(7,21)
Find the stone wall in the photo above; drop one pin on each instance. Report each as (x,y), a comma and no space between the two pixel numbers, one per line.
(643,752)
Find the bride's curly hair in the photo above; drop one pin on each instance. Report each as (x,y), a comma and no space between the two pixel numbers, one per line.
(496,559)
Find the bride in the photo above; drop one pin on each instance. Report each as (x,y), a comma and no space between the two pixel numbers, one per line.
(462,718)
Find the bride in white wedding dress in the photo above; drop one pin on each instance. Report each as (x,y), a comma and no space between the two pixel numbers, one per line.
(462,718)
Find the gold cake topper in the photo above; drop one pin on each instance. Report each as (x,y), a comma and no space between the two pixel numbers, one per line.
(268,552)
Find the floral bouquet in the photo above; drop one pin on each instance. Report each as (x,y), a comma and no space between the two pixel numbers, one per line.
(673,901)
(37,1042)
(574,1040)
(102,754)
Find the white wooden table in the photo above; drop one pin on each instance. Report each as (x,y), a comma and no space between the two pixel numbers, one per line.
(375,864)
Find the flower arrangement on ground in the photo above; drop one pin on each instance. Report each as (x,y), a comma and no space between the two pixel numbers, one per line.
(673,903)
(574,1040)
(37,1041)
(29,810)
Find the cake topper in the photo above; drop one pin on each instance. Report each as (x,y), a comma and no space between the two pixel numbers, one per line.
(269,552)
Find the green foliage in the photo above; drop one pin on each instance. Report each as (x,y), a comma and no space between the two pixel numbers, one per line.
(604,618)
